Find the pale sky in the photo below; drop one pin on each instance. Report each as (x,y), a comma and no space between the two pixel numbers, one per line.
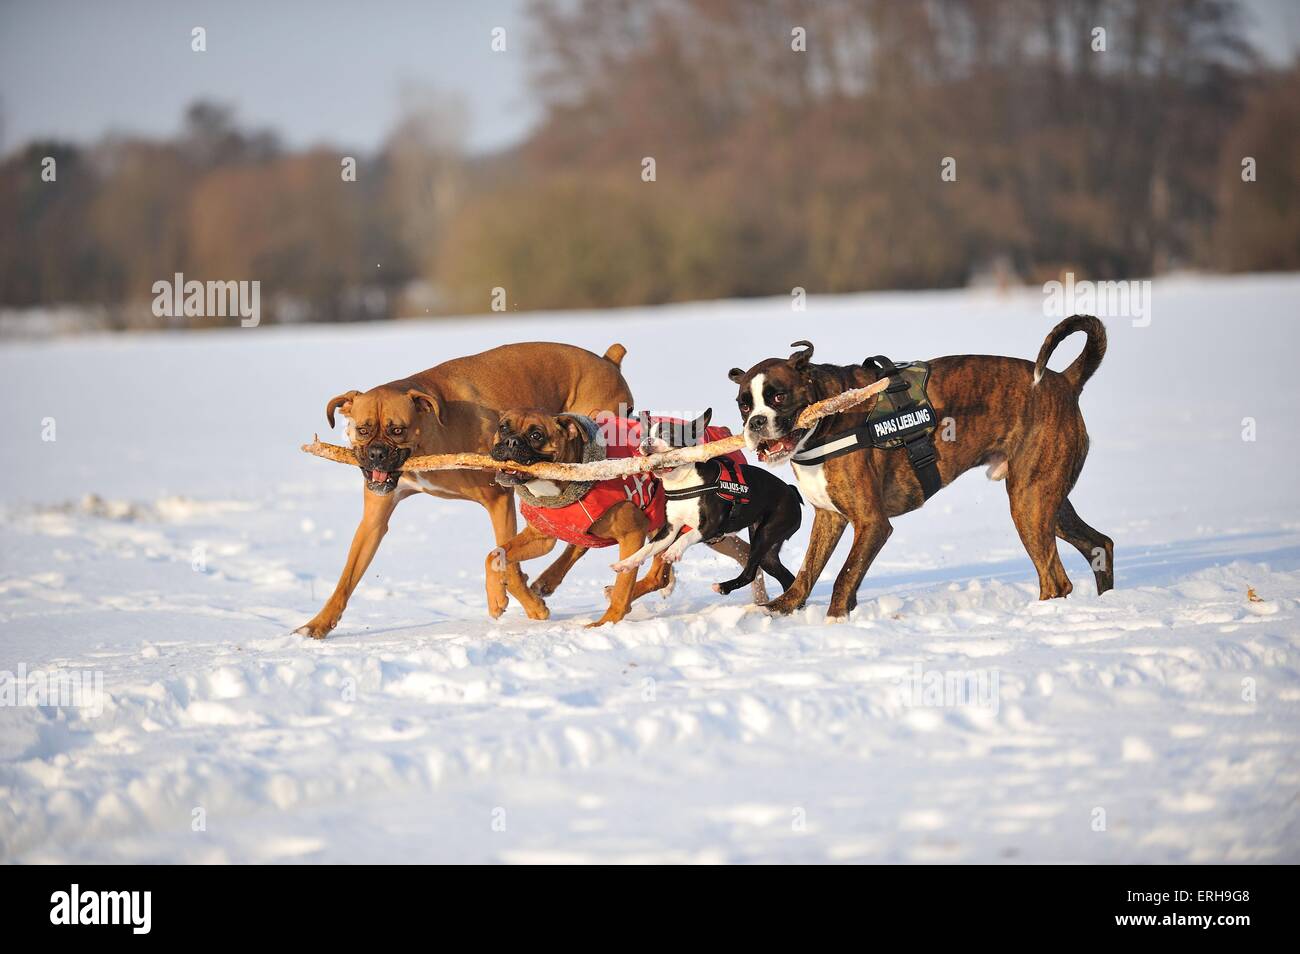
(316,71)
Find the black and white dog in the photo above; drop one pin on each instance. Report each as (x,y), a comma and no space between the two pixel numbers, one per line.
(716,498)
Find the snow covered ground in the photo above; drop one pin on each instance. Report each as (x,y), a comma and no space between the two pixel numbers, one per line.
(1160,722)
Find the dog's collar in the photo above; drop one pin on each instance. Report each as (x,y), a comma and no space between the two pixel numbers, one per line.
(592,450)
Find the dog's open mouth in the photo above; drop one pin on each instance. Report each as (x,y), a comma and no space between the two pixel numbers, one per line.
(776,451)
(381,481)
(511,478)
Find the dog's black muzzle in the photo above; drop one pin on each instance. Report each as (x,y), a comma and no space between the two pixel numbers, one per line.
(513,450)
(382,465)
(777,438)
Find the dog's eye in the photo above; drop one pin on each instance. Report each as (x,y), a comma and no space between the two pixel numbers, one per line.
(396,431)
(744,407)
(363,431)
(536,436)
(779,399)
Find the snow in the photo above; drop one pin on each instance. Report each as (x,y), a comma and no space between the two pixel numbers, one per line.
(1157,723)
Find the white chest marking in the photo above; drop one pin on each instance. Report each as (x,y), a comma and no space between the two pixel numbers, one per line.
(812,484)
(682,513)
(542,488)
(419,482)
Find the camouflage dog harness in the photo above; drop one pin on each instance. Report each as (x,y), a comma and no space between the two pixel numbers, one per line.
(902,417)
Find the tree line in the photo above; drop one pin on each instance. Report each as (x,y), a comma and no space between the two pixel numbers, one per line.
(716,148)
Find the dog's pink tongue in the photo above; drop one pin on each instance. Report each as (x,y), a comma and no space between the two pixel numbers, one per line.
(378,476)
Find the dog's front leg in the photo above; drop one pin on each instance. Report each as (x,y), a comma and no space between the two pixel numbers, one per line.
(620,594)
(501,508)
(374,524)
(869,536)
(828,527)
(660,542)
(528,545)
(683,543)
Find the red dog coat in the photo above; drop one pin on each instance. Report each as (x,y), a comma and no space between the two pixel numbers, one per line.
(622,439)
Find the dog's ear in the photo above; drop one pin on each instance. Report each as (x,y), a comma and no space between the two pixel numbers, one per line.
(426,402)
(702,422)
(735,374)
(570,424)
(800,359)
(342,402)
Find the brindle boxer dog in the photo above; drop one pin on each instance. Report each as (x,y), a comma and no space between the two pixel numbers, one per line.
(451,408)
(1014,415)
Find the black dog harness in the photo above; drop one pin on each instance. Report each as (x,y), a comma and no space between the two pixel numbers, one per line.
(903,417)
(730,486)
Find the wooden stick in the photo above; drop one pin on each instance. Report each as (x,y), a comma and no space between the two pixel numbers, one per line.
(606,469)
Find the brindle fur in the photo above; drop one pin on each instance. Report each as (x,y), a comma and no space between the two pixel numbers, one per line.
(1033,432)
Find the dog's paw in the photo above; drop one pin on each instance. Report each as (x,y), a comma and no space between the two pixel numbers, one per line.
(832,620)
(717,588)
(315,629)
(668,587)
(625,566)
(497,559)
(540,611)
(780,607)
(497,598)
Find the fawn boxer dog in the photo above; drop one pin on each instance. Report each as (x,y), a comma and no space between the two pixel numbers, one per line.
(1016,416)
(451,408)
(621,511)
(713,499)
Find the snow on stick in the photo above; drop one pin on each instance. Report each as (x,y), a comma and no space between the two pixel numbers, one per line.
(606,469)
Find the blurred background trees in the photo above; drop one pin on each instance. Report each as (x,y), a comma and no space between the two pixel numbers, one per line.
(774,168)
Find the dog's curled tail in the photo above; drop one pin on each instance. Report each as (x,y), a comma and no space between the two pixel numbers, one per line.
(1083,367)
(614,354)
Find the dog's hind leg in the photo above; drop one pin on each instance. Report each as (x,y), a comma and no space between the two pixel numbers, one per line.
(760,544)
(785,524)
(659,576)
(731,545)
(1097,548)
(1034,508)
(554,575)
(772,565)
